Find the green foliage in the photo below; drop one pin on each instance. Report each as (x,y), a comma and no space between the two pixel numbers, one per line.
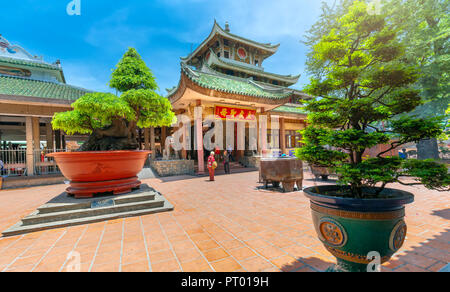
(356,140)
(103,108)
(152,109)
(315,150)
(370,172)
(415,129)
(320,156)
(361,82)
(424,27)
(431,174)
(72,122)
(425,32)
(132,73)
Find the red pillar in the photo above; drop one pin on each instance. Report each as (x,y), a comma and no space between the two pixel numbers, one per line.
(199,137)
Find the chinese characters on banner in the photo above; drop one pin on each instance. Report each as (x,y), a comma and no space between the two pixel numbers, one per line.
(238,114)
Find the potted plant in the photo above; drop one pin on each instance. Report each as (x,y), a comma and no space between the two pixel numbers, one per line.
(320,161)
(361,85)
(109,161)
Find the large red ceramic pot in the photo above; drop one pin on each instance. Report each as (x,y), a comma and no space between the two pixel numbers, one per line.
(92,173)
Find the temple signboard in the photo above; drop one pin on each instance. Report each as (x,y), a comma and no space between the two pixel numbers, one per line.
(234,113)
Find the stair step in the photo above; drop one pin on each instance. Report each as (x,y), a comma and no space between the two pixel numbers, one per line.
(19,228)
(86,204)
(36,218)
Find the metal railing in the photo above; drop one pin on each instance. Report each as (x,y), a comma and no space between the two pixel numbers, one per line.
(44,165)
(15,162)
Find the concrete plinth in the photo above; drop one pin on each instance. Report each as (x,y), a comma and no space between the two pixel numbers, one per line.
(64,210)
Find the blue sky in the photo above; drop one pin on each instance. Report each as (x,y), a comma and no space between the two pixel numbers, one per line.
(162,31)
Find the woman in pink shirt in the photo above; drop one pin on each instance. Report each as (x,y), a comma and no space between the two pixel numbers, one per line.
(211,161)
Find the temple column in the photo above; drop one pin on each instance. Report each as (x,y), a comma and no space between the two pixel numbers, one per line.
(263,135)
(163,137)
(184,151)
(146,139)
(58,139)
(49,136)
(36,134)
(140,139)
(63,142)
(199,137)
(36,140)
(258,134)
(30,145)
(282,136)
(152,142)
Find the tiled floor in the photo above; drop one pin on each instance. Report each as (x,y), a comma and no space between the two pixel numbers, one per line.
(227,225)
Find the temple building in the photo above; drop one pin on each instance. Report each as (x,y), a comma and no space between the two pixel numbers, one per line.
(225,76)
(31,91)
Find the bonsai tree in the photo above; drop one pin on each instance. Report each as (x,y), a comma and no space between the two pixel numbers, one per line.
(363,92)
(112,120)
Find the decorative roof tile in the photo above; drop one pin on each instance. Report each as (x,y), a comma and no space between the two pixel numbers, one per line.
(290,108)
(232,85)
(36,64)
(33,88)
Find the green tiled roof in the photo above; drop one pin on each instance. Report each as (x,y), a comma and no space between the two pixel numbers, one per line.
(29,63)
(228,63)
(291,109)
(232,85)
(42,89)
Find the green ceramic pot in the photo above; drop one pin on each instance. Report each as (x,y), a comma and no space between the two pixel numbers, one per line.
(360,233)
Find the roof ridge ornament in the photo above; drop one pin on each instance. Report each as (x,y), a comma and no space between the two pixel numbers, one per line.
(227,27)
(9,50)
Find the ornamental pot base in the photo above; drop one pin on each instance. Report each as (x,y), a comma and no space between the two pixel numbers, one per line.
(93,173)
(361,233)
(82,190)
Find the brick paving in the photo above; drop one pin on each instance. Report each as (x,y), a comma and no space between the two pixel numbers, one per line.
(228,225)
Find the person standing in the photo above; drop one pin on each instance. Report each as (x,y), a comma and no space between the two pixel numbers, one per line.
(230,152)
(403,154)
(2,167)
(212,164)
(226,162)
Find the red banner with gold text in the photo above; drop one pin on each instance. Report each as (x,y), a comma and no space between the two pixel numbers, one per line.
(233,113)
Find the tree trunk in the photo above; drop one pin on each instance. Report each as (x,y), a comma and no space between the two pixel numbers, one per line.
(428,149)
(119,136)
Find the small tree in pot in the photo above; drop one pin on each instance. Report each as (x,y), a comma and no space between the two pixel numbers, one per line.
(362,85)
(110,155)
(113,120)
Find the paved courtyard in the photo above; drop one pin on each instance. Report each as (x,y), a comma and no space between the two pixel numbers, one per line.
(227,225)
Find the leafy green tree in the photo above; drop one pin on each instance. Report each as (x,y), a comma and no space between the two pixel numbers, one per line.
(111,120)
(132,73)
(361,83)
(425,31)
